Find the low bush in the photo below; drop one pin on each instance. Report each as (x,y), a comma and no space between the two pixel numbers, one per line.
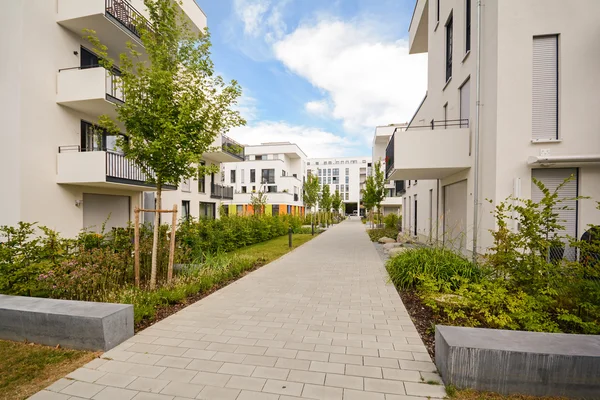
(391,221)
(376,234)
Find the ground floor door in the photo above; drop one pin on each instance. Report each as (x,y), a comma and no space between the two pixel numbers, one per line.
(455,215)
(567,210)
(108,210)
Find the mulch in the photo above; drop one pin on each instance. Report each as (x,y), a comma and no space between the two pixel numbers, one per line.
(422,317)
(168,310)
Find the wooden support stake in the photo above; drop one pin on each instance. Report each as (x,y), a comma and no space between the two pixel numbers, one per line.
(136,247)
(172,249)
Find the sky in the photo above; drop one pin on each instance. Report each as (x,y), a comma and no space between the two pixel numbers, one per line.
(319,73)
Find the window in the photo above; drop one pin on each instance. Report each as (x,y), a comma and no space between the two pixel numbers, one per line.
(449,40)
(94,138)
(329,172)
(347,196)
(283,173)
(239,209)
(465,103)
(317,163)
(347,188)
(336,171)
(207,210)
(232,172)
(337,188)
(347,180)
(185,209)
(275,209)
(253,188)
(243,189)
(242,176)
(252,175)
(201,180)
(258,158)
(271,189)
(308,163)
(545,88)
(335,179)
(268,175)
(329,180)
(467,26)
(437,11)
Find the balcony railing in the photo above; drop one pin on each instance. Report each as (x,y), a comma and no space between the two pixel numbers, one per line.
(218,191)
(127,16)
(389,156)
(232,147)
(443,124)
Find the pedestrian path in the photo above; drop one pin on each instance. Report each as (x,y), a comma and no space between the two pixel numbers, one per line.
(322,322)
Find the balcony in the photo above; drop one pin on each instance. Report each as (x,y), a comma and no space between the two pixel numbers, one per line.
(101,169)
(434,151)
(225,149)
(116,22)
(418,29)
(218,191)
(92,91)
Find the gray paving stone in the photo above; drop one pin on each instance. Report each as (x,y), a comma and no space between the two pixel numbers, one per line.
(188,390)
(113,393)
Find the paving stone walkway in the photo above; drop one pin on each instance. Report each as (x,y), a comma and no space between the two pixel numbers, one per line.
(321,322)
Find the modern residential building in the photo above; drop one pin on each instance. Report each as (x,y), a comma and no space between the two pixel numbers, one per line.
(392,203)
(511,99)
(346,174)
(202,196)
(55,167)
(277,169)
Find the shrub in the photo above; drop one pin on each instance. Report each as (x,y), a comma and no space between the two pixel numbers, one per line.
(391,221)
(409,268)
(376,234)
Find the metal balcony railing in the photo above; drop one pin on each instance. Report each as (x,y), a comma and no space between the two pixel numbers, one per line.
(389,156)
(127,16)
(232,147)
(218,191)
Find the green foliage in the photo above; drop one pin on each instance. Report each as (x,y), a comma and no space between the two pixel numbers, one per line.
(518,286)
(326,200)
(336,202)
(258,201)
(311,191)
(391,221)
(376,234)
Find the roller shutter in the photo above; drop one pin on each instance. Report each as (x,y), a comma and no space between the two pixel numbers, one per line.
(545,88)
(455,215)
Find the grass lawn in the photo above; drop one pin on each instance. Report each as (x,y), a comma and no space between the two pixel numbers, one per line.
(274,248)
(27,368)
(469,394)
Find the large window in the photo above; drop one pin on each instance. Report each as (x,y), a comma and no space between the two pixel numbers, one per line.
(545,88)
(94,138)
(207,210)
(185,209)
(232,172)
(268,175)
(449,45)
(252,175)
(271,189)
(467,26)
(275,209)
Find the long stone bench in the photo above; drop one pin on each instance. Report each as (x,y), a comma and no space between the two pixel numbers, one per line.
(507,362)
(73,324)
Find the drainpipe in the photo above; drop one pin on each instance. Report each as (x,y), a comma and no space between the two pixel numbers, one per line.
(476,142)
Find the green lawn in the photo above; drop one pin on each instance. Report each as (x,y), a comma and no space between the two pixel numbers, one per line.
(274,248)
(27,368)
(468,394)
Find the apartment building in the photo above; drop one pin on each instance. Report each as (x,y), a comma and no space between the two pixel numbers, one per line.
(346,174)
(278,169)
(392,203)
(524,106)
(61,171)
(202,197)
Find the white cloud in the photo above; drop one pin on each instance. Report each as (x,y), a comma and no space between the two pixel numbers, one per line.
(248,107)
(313,141)
(320,108)
(370,80)
(262,18)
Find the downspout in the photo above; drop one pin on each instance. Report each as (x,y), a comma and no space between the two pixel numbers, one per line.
(476,142)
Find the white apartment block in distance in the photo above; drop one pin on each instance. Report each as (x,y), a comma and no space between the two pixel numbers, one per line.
(392,203)
(538,110)
(59,172)
(278,169)
(346,174)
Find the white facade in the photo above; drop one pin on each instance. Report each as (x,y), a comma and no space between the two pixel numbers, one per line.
(49,92)
(346,174)
(279,169)
(539,85)
(392,203)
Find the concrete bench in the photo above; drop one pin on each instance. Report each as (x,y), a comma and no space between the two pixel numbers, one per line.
(506,362)
(73,324)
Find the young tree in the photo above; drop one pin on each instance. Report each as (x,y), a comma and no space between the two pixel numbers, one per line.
(369,195)
(378,187)
(175,105)
(258,201)
(311,194)
(325,203)
(336,201)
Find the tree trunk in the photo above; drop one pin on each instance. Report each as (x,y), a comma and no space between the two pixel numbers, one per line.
(155,239)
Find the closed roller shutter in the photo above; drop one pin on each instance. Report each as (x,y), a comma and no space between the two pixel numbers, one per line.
(545,88)
(455,215)
(101,209)
(552,178)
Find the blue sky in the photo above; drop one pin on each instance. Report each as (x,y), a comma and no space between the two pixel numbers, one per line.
(319,73)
